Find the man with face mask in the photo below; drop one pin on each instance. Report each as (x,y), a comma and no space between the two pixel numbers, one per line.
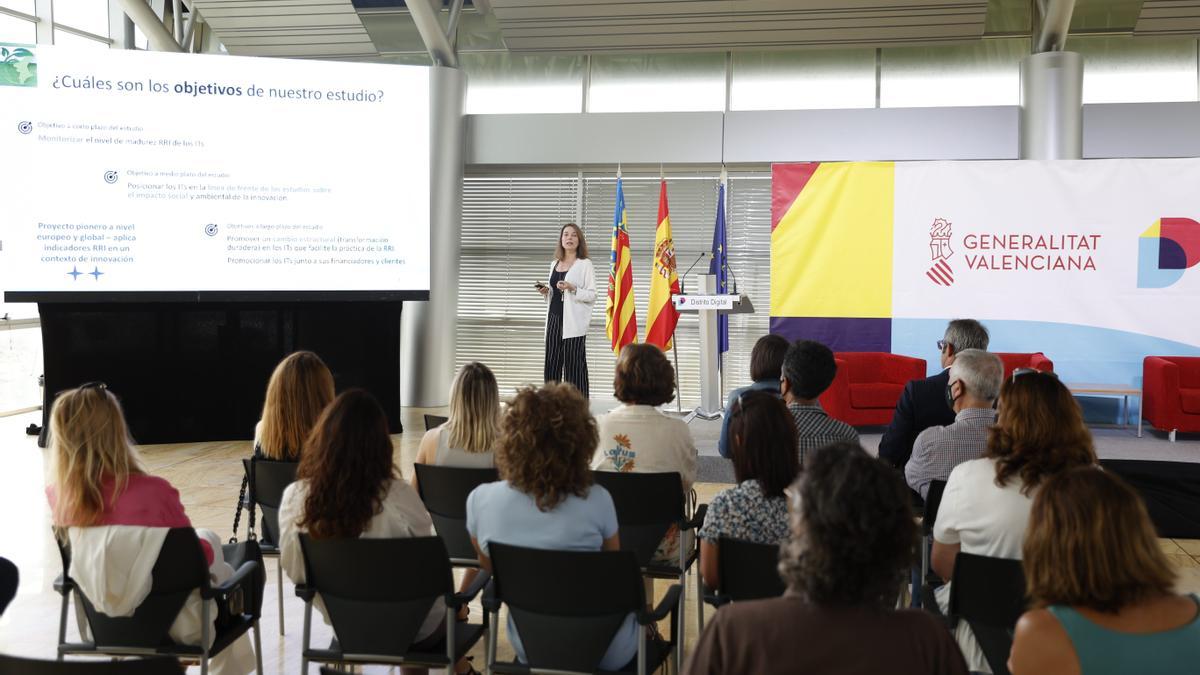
(971,392)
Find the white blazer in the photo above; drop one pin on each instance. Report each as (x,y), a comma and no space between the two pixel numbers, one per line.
(577,306)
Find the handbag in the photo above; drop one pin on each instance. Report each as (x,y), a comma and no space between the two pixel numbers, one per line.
(247,481)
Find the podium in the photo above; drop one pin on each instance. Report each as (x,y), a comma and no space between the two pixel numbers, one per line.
(708,305)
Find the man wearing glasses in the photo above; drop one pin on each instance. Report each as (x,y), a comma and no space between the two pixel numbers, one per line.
(923,403)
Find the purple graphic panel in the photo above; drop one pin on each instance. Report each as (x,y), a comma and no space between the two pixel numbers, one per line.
(840,335)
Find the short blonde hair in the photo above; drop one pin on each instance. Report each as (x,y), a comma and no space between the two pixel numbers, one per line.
(298,391)
(89,443)
(474,409)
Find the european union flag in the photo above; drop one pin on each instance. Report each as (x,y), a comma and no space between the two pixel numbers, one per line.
(719,267)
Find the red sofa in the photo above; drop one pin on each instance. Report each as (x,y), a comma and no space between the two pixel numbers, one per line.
(1171,393)
(1036,360)
(868,386)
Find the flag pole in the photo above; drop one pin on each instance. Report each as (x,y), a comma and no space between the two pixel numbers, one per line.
(678,391)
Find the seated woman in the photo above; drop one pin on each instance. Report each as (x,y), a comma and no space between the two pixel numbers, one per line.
(765,464)
(1039,432)
(852,541)
(346,487)
(637,438)
(1100,585)
(546,498)
(297,392)
(467,438)
(116,517)
(766,363)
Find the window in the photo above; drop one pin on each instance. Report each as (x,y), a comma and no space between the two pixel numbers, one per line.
(1132,70)
(824,78)
(987,72)
(86,15)
(657,82)
(64,39)
(500,82)
(16,30)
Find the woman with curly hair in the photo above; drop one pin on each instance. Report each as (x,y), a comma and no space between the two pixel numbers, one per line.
(1039,432)
(546,498)
(852,540)
(1101,587)
(347,487)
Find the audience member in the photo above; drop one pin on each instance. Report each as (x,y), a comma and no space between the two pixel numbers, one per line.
(116,517)
(546,498)
(1039,432)
(923,403)
(808,370)
(468,437)
(764,465)
(347,487)
(853,536)
(766,362)
(1101,586)
(975,378)
(298,391)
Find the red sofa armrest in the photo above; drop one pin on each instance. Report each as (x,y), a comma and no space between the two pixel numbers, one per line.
(1160,393)
(1039,361)
(836,399)
(900,369)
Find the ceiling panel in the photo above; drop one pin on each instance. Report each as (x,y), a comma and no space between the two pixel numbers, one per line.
(289,28)
(717,25)
(1169,17)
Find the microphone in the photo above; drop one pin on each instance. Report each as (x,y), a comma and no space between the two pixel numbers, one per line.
(729,268)
(689,269)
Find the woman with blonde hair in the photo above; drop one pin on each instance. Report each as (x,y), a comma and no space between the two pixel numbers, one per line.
(297,392)
(1100,585)
(1039,433)
(116,516)
(468,436)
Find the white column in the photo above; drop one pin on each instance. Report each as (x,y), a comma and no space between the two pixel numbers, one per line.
(1051,122)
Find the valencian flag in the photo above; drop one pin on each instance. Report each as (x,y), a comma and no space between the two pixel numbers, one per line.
(719,266)
(620,321)
(664,282)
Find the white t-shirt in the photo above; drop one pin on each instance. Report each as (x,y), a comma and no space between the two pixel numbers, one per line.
(403,516)
(640,439)
(984,518)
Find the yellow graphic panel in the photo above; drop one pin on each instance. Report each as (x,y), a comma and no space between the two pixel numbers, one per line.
(831,253)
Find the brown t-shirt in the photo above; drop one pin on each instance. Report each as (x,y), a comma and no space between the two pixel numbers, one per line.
(790,635)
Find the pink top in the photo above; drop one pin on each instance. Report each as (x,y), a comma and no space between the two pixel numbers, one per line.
(146,501)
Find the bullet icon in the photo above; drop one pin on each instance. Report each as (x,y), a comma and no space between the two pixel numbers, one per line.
(210,229)
(25,127)
(110,177)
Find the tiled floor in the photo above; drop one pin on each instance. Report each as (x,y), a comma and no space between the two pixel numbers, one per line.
(208,476)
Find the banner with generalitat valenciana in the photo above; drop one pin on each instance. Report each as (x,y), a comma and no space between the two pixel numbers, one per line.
(1096,263)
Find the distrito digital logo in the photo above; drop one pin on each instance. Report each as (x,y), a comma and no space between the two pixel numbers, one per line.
(1165,250)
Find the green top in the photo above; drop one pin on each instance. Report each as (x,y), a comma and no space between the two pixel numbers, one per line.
(1102,651)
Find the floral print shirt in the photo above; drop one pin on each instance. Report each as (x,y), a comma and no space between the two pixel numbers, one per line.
(745,512)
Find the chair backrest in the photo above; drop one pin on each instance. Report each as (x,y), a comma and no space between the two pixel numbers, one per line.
(377,592)
(567,605)
(988,591)
(180,569)
(10,578)
(271,478)
(648,504)
(933,499)
(156,665)
(444,489)
(435,421)
(748,571)
(1171,491)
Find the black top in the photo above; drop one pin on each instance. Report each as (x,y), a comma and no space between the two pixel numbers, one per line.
(556,298)
(922,405)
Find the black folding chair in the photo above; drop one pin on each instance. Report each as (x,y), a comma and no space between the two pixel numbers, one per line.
(648,504)
(933,499)
(434,421)
(1170,490)
(155,665)
(377,593)
(989,594)
(568,605)
(10,578)
(444,490)
(267,481)
(180,569)
(748,571)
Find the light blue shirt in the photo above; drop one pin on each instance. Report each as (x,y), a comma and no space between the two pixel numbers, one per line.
(500,512)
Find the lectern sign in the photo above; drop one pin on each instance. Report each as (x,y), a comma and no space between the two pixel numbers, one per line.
(696,302)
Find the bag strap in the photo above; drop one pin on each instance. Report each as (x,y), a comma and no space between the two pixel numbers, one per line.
(237,514)
(247,485)
(252,521)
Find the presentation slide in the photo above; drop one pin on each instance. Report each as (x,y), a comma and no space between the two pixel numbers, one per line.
(132,172)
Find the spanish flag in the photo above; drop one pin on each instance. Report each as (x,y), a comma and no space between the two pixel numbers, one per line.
(620,320)
(665,282)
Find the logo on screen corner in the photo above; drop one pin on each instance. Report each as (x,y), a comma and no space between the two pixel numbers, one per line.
(1165,250)
(18,65)
(940,252)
